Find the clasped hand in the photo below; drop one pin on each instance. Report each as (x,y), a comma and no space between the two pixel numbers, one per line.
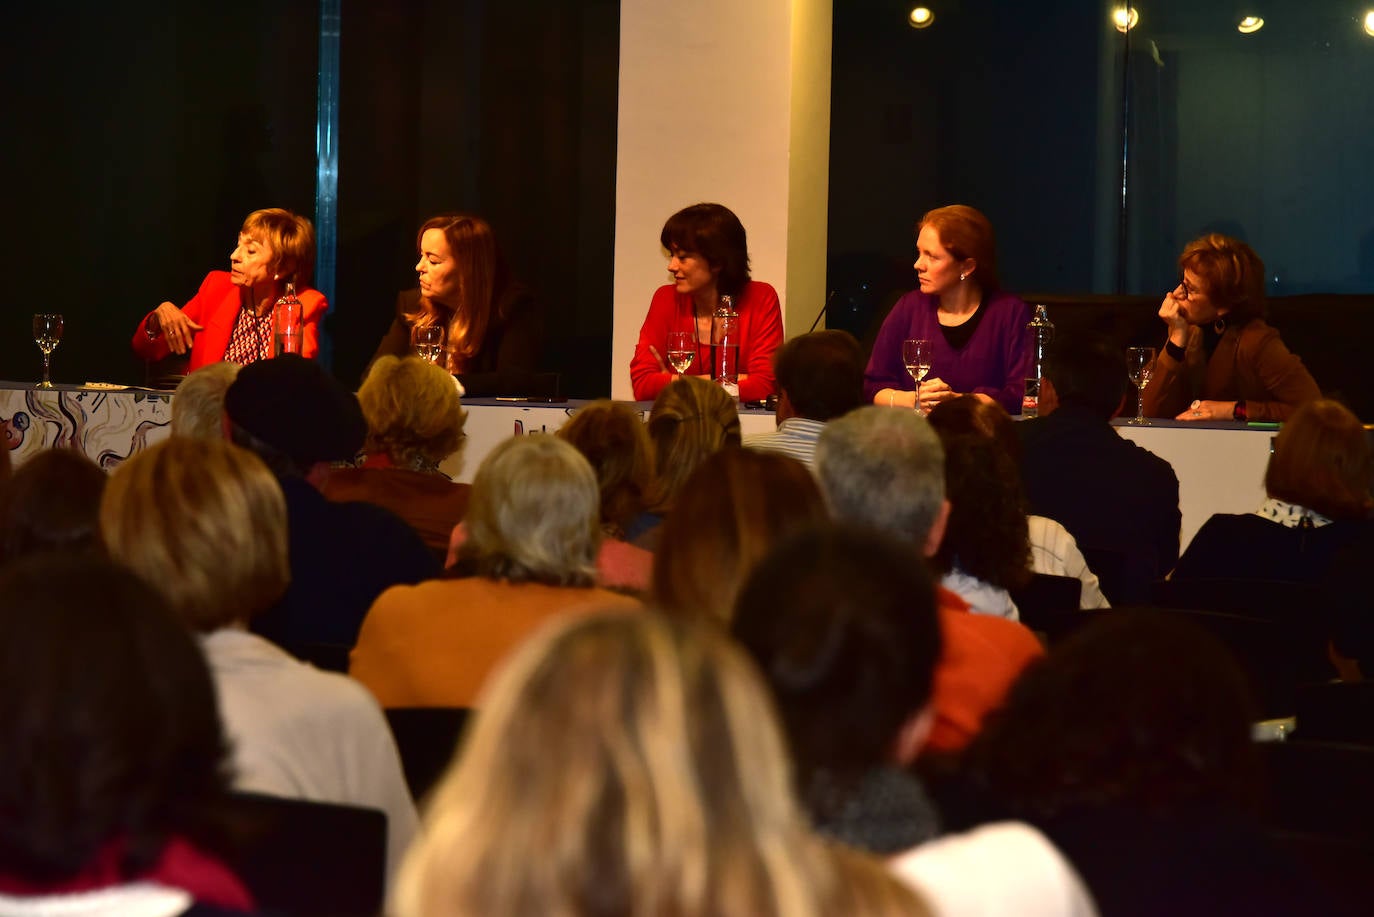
(174,323)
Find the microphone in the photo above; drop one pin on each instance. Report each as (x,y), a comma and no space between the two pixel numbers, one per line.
(821,314)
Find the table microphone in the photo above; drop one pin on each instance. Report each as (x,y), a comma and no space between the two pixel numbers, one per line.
(821,314)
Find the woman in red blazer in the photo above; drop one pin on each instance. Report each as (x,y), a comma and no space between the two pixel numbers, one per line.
(230,317)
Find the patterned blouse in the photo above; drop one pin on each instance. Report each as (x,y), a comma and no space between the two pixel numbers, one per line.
(251,339)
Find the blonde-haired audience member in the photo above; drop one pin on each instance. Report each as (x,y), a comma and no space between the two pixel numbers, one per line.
(198,403)
(204,522)
(530,554)
(690,420)
(415,420)
(629,764)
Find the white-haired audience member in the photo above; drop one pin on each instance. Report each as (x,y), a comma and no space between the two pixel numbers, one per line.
(533,532)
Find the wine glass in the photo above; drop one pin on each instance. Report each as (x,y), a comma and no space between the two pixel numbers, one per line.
(916,357)
(429,342)
(47,332)
(681,350)
(1140,363)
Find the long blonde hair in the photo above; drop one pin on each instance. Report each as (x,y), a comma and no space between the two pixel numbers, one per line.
(628,764)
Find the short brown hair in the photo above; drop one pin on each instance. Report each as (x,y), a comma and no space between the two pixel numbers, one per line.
(1231,272)
(966,233)
(1322,461)
(714,232)
(291,238)
(822,373)
(736,507)
(204,521)
(613,438)
(414,414)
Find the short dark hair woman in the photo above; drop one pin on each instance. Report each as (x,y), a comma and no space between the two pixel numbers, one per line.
(493,330)
(708,257)
(1222,360)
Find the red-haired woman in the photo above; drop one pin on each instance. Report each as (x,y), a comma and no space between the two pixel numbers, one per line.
(493,329)
(1222,361)
(977,331)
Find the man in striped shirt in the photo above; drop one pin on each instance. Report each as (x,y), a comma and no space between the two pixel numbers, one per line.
(820,377)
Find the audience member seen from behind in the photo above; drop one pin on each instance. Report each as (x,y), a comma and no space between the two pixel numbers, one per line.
(1053,550)
(732,511)
(1222,360)
(230,317)
(820,377)
(976,330)
(117,801)
(708,258)
(986,549)
(612,437)
(492,327)
(691,419)
(1130,749)
(205,522)
(885,469)
(641,758)
(51,503)
(299,419)
(843,627)
(198,403)
(1118,500)
(414,421)
(533,531)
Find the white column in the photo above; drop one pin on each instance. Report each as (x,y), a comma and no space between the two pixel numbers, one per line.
(725,101)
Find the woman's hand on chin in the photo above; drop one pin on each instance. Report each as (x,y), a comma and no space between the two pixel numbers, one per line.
(1176,317)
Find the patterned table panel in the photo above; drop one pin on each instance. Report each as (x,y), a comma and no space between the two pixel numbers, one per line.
(108,426)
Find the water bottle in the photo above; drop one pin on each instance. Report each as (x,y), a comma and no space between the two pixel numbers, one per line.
(727,345)
(1039,331)
(286,323)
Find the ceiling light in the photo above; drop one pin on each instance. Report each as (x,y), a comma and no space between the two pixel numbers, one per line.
(920,17)
(1125,18)
(1369,23)
(1250,25)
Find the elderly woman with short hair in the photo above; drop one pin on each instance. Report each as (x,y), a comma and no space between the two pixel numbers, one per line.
(533,531)
(415,420)
(204,521)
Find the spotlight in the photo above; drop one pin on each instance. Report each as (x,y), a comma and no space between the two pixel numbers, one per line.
(1369,23)
(1125,18)
(921,17)
(1250,25)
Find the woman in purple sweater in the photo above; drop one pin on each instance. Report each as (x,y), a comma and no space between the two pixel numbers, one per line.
(977,332)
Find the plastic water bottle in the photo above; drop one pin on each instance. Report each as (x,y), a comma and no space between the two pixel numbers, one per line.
(287,323)
(1040,332)
(727,345)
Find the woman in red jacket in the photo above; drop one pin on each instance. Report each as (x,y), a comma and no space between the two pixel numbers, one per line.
(230,317)
(708,259)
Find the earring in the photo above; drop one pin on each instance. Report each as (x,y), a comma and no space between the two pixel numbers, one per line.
(963,276)
(1219,326)
(276,276)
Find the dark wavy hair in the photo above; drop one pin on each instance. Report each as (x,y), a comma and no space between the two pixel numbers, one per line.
(714,232)
(51,503)
(971,415)
(1139,710)
(108,719)
(987,536)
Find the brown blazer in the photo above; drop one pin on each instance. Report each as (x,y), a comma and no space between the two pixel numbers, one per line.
(1250,364)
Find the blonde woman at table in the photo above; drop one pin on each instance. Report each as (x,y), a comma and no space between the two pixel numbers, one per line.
(1222,360)
(708,258)
(230,317)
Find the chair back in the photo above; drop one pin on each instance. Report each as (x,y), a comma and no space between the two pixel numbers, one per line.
(1047,596)
(309,858)
(427,738)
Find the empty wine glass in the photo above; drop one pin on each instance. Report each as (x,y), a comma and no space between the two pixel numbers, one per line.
(1140,363)
(916,358)
(429,342)
(681,350)
(47,332)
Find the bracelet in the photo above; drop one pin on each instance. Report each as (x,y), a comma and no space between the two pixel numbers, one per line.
(891,394)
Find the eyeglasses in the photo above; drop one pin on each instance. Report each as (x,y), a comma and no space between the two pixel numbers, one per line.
(1188,291)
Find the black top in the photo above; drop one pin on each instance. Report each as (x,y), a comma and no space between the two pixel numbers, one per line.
(508,362)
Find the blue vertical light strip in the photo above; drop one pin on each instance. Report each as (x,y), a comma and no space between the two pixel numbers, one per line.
(327,159)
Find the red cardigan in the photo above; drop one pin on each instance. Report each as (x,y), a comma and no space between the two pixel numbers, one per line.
(760,319)
(215,307)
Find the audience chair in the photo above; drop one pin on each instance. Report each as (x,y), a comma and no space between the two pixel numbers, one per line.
(1336,712)
(426,738)
(1046,599)
(309,858)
